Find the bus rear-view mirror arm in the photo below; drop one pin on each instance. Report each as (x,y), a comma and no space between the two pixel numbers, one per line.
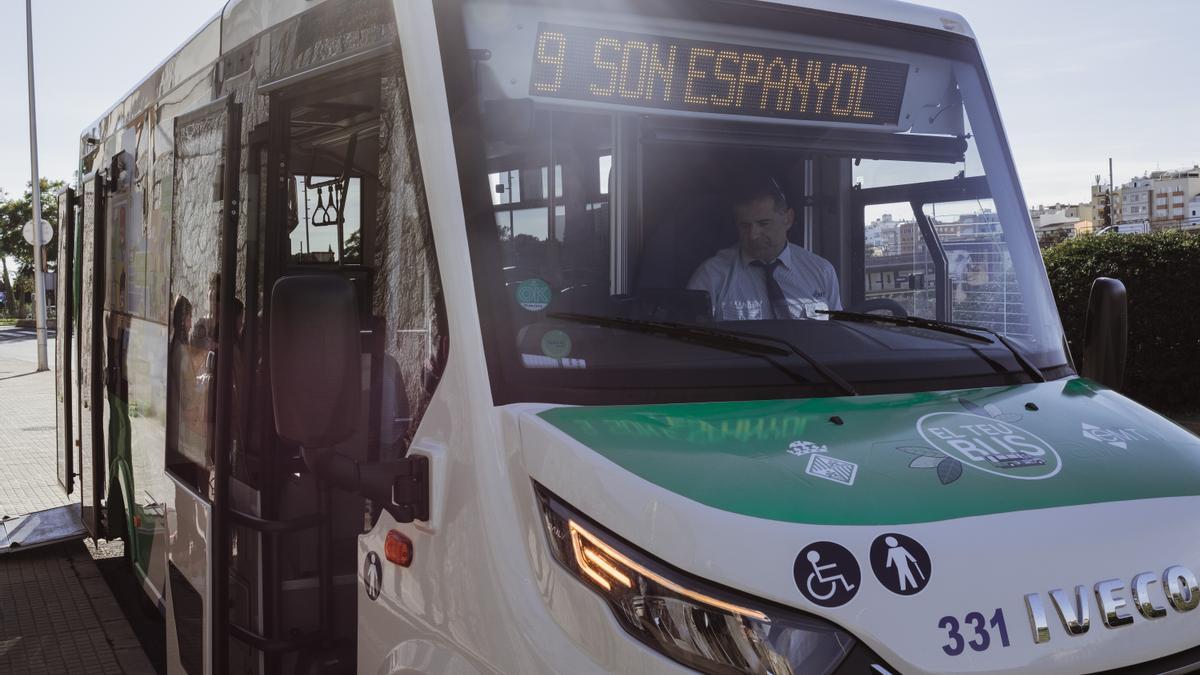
(1106,333)
(400,487)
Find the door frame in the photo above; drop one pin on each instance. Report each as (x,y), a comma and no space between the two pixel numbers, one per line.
(215,598)
(65,290)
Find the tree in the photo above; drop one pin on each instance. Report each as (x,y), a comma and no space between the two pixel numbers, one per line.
(1048,239)
(14,213)
(1159,271)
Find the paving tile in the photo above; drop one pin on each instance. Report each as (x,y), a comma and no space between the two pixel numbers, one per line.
(57,615)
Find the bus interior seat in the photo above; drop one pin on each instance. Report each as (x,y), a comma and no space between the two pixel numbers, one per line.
(675,247)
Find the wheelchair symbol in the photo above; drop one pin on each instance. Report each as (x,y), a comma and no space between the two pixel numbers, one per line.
(833,580)
(827,574)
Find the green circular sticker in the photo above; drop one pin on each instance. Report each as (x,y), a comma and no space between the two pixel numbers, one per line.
(533,295)
(556,344)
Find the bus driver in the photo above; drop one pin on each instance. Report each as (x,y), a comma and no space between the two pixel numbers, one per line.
(765,276)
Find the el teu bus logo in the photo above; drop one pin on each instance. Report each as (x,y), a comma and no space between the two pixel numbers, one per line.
(990,445)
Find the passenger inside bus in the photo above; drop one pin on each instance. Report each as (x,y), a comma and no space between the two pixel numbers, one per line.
(765,276)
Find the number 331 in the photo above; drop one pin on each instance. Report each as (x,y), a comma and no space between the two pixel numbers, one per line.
(981,638)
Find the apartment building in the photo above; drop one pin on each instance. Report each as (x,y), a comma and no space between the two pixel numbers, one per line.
(1070,218)
(1100,198)
(1173,191)
(1132,204)
(1193,214)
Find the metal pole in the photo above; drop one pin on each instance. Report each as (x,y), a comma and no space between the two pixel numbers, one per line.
(39,281)
(1112,212)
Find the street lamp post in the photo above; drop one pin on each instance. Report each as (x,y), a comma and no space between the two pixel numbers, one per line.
(39,281)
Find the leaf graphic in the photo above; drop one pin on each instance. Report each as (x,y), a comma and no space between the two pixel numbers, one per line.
(973,407)
(949,470)
(919,451)
(993,410)
(926,462)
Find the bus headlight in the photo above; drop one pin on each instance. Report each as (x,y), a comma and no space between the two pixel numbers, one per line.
(698,624)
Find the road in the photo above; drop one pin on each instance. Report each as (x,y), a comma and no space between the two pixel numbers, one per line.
(20,344)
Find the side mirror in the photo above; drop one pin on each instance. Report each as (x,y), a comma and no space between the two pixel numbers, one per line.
(316,359)
(1106,333)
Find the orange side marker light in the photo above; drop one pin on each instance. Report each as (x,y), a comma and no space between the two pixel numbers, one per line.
(398,549)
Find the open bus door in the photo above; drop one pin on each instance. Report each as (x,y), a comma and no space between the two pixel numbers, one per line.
(65,302)
(203,264)
(61,523)
(89,411)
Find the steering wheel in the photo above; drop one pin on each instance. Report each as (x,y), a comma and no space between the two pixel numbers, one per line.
(880,305)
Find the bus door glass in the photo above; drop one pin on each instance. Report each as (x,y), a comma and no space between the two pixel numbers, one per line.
(201,153)
(90,357)
(64,307)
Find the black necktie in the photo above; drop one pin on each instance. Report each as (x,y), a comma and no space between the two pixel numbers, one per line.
(775,297)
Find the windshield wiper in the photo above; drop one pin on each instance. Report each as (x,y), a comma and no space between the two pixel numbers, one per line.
(727,340)
(959,329)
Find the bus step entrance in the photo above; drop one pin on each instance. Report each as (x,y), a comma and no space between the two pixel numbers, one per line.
(273,529)
(41,528)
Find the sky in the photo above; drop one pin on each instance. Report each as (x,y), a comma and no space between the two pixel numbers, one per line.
(87,55)
(1077,81)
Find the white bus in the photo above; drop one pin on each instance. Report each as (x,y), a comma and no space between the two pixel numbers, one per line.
(562,336)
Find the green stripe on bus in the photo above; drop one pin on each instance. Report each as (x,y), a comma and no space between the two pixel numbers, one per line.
(897,459)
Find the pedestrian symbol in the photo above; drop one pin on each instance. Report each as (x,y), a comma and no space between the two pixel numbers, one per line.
(372,575)
(827,574)
(900,563)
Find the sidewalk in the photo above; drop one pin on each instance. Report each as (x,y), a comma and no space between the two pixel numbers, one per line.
(27,431)
(57,614)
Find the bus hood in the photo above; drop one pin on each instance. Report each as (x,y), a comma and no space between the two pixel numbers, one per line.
(978,526)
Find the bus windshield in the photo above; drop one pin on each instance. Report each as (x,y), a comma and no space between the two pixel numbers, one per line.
(673,201)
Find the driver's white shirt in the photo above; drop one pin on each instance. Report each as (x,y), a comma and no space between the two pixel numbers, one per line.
(739,291)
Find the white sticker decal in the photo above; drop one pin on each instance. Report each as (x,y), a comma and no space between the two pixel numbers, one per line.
(556,344)
(827,574)
(1116,437)
(990,445)
(802,448)
(372,575)
(831,468)
(900,563)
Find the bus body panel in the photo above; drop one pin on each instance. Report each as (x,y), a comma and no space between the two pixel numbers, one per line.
(470,602)
(982,563)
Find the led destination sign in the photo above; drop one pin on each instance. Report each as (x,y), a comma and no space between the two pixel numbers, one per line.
(604,66)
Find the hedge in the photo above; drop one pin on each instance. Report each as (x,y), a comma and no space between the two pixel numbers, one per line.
(1161,272)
